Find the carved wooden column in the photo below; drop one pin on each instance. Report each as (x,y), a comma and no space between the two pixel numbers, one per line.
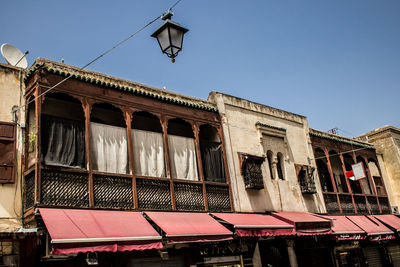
(128,121)
(38,167)
(196,131)
(164,125)
(87,106)
(328,162)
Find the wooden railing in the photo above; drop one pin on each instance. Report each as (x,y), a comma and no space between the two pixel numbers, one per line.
(346,203)
(63,188)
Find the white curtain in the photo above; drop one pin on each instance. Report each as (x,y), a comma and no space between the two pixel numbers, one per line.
(148,153)
(109,148)
(182,152)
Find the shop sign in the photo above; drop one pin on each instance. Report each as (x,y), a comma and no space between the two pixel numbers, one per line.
(214,260)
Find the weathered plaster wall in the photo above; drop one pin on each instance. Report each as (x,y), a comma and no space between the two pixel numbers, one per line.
(239,118)
(10,194)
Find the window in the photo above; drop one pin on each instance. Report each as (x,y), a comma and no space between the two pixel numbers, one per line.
(211,154)
(182,150)
(251,171)
(323,171)
(305,176)
(373,168)
(270,156)
(148,145)
(8,152)
(274,142)
(108,139)
(337,170)
(365,182)
(280,167)
(62,132)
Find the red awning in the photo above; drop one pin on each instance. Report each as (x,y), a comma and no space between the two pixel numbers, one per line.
(256,224)
(75,230)
(344,229)
(375,229)
(182,227)
(391,220)
(305,223)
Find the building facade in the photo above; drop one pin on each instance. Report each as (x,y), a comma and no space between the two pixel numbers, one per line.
(364,202)
(117,173)
(12,89)
(387,143)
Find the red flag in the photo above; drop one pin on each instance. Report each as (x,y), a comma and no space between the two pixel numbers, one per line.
(349,174)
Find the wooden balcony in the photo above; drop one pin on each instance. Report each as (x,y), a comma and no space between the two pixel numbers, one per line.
(70,188)
(346,203)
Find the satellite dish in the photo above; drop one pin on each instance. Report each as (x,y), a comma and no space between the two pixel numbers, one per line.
(14,56)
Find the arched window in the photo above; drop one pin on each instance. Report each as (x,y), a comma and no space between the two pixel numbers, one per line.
(211,154)
(365,182)
(355,185)
(280,167)
(337,170)
(63,131)
(375,173)
(270,156)
(108,139)
(323,171)
(148,145)
(182,150)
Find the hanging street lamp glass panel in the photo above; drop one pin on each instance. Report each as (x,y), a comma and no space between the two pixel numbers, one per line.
(170,38)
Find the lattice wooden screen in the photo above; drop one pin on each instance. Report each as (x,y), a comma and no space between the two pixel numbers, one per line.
(189,196)
(373,205)
(218,198)
(384,202)
(30,190)
(346,203)
(113,192)
(361,205)
(331,203)
(153,194)
(65,188)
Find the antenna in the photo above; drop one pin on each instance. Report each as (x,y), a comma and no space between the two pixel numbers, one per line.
(14,56)
(334,130)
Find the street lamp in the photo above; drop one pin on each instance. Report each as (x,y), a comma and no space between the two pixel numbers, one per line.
(170,36)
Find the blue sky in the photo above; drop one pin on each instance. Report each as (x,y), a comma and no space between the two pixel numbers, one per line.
(335,62)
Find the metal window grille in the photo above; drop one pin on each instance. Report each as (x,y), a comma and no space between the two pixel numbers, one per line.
(305,175)
(251,171)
